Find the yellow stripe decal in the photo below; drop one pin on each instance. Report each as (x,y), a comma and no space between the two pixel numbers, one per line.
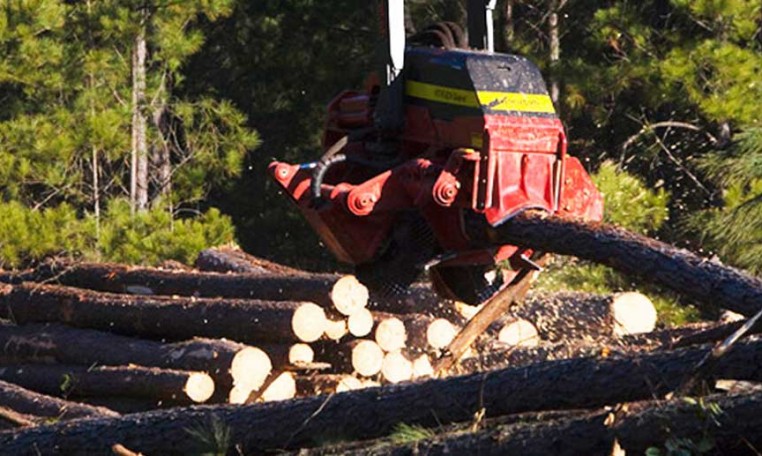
(522,102)
(496,101)
(442,94)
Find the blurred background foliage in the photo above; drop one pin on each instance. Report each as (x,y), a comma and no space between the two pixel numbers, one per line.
(660,98)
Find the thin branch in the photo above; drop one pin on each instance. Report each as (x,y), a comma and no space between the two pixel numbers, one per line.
(647,128)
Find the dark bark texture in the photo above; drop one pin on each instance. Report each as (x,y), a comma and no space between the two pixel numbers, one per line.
(124,279)
(243,320)
(737,431)
(28,402)
(223,259)
(706,282)
(78,381)
(55,343)
(374,412)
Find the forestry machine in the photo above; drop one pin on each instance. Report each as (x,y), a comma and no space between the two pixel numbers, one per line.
(451,135)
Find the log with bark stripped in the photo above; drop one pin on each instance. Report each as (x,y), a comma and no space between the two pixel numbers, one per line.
(375,411)
(243,320)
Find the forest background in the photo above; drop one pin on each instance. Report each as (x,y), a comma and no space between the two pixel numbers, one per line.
(140,130)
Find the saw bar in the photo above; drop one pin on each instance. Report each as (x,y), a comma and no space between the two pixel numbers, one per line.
(493,309)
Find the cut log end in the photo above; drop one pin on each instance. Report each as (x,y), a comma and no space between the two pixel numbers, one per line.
(282,388)
(440,333)
(336,329)
(633,313)
(422,367)
(396,368)
(360,323)
(367,358)
(348,383)
(349,295)
(239,395)
(391,334)
(199,387)
(309,322)
(301,354)
(250,368)
(519,332)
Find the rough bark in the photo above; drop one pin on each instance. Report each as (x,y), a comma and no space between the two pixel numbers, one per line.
(226,259)
(183,387)
(158,317)
(139,164)
(650,424)
(374,412)
(704,281)
(715,333)
(28,402)
(136,280)
(55,343)
(573,315)
(419,299)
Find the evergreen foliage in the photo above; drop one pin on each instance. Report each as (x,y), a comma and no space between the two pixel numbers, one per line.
(67,110)
(150,237)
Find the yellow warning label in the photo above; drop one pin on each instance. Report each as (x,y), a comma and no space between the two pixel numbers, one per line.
(495,101)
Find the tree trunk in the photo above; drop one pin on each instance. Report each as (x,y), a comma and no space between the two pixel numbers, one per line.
(706,282)
(139,165)
(554,51)
(564,316)
(161,150)
(156,317)
(225,259)
(644,425)
(26,402)
(182,387)
(375,411)
(50,343)
(136,280)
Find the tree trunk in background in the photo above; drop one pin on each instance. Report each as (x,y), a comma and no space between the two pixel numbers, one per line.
(161,150)
(509,28)
(139,168)
(554,47)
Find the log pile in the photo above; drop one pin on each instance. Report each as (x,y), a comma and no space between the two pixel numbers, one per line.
(129,348)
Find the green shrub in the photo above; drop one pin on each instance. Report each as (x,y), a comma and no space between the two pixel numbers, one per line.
(29,235)
(153,236)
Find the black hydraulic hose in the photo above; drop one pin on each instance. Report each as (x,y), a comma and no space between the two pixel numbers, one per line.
(318,174)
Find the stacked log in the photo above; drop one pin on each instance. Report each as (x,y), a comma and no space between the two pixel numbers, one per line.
(375,411)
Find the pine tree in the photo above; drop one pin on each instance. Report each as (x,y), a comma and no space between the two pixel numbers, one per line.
(68,79)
